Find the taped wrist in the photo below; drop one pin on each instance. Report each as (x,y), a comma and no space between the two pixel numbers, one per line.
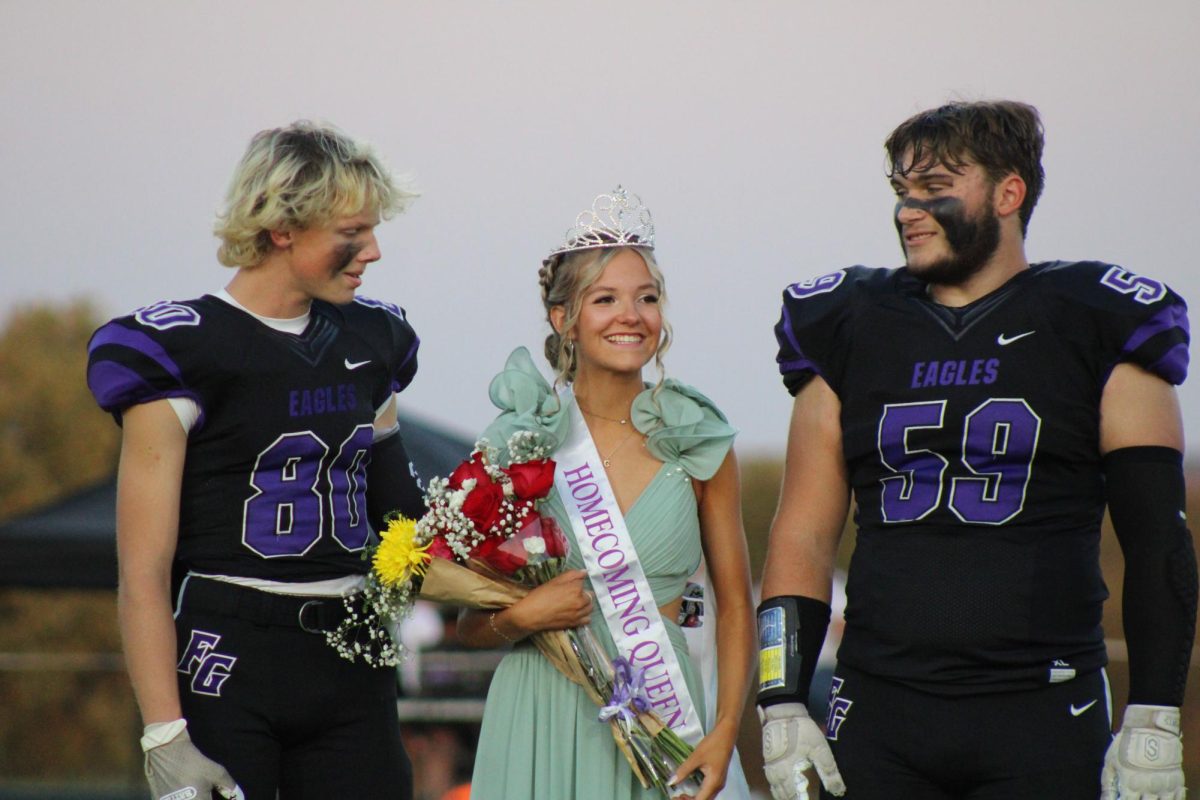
(1145,490)
(392,482)
(791,631)
(156,734)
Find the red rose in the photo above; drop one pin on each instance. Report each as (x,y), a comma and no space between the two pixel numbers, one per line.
(439,549)
(532,480)
(556,540)
(525,514)
(500,554)
(471,468)
(482,504)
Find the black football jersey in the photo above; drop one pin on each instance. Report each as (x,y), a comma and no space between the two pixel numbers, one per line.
(274,479)
(971,438)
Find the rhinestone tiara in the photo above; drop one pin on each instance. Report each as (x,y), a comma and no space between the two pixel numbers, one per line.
(618,219)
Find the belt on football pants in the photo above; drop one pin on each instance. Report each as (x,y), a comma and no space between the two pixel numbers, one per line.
(310,614)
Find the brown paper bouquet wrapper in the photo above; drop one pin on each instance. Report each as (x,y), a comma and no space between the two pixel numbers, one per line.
(448,582)
(479,586)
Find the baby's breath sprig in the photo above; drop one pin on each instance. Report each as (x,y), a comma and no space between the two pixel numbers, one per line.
(386,599)
(398,561)
(528,446)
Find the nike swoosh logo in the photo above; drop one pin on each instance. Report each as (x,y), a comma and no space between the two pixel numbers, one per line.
(1003,340)
(1075,712)
(355,364)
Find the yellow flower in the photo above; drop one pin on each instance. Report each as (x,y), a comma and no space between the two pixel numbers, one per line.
(399,557)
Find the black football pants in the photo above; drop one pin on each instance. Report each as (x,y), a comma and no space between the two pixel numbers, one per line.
(278,707)
(891,741)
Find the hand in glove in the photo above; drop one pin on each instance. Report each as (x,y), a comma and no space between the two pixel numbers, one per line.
(174,765)
(1145,759)
(792,743)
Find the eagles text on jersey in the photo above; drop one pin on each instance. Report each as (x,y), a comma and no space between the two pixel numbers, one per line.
(971,438)
(275,477)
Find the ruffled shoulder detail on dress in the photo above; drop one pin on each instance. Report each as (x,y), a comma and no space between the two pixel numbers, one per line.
(527,403)
(683,427)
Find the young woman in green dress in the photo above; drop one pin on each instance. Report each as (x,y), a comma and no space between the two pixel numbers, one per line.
(666,453)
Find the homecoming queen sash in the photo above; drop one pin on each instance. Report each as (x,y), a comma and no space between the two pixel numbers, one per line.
(617,576)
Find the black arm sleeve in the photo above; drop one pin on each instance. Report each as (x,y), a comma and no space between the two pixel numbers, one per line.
(392,482)
(1145,491)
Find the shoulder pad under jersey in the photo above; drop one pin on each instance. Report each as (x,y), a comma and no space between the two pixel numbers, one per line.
(145,356)
(813,321)
(1137,319)
(388,324)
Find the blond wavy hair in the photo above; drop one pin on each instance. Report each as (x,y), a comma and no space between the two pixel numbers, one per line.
(565,279)
(298,177)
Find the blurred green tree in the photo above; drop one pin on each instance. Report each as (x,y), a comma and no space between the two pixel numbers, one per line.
(68,710)
(53,437)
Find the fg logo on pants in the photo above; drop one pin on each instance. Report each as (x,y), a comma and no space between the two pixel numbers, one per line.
(208,668)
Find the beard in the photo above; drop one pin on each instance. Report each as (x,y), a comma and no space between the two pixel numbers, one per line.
(972,241)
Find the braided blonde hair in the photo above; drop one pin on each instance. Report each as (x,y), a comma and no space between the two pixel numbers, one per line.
(565,279)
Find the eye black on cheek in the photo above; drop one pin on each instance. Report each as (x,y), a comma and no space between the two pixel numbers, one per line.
(345,255)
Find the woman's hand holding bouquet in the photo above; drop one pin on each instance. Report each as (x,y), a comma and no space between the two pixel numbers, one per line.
(559,604)
(482,544)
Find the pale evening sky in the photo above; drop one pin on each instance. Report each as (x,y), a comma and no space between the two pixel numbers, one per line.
(753,131)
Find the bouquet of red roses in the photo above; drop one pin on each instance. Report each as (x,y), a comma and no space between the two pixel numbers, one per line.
(483,544)
(471,515)
(491,547)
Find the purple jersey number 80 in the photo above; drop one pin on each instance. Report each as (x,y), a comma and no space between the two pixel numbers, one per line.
(286,513)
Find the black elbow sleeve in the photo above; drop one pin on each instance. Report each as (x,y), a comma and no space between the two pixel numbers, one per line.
(392,482)
(1146,494)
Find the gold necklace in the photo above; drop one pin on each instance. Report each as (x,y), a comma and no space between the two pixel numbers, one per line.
(605,459)
(601,416)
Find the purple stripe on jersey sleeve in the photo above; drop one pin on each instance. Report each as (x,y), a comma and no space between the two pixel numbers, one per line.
(123,337)
(114,385)
(801,363)
(1173,316)
(397,386)
(787,330)
(117,387)
(798,365)
(1172,366)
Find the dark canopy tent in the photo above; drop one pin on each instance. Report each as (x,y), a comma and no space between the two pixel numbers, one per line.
(72,543)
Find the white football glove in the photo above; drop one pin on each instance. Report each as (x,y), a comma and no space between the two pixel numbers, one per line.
(792,743)
(1145,759)
(176,769)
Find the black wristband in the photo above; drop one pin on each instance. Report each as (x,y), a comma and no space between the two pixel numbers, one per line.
(791,631)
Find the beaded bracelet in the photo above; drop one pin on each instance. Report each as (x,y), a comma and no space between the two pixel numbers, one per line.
(496,630)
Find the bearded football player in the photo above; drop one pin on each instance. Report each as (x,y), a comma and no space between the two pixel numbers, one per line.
(982,412)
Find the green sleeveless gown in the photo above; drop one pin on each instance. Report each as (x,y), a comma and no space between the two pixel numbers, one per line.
(541,738)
